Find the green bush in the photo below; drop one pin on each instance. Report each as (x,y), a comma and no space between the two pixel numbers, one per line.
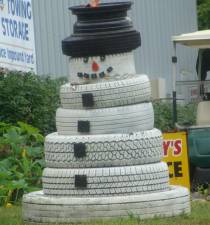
(203,10)
(163,114)
(21,161)
(187,113)
(29,98)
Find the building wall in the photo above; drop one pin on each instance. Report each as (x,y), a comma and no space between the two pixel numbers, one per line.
(157,21)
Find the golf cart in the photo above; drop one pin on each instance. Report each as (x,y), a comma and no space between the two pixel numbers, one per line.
(198,136)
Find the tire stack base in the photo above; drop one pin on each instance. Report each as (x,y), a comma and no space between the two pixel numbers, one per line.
(40,208)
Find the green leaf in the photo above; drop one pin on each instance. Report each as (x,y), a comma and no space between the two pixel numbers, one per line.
(4,127)
(5,175)
(20,184)
(13,137)
(40,162)
(35,152)
(6,164)
(25,165)
(32,189)
(28,128)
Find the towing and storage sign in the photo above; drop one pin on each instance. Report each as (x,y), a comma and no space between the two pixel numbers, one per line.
(176,156)
(17,46)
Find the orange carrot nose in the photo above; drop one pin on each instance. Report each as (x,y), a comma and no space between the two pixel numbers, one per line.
(95,67)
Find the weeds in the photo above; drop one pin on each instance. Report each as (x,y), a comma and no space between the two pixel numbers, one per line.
(21,161)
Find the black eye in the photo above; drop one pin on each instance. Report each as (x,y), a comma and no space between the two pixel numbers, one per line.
(110,69)
(80,75)
(94,76)
(86,75)
(103,58)
(85,60)
(102,75)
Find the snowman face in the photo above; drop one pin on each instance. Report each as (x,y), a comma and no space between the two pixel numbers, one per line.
(92,68)
(101,68)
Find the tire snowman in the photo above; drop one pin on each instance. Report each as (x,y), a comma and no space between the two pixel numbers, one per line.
(105,160)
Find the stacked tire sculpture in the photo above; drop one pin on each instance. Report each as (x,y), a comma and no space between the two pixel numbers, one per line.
(105,160)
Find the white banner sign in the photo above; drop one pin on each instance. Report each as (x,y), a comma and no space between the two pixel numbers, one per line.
(17,45)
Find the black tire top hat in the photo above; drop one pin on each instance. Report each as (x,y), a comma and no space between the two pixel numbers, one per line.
(102,30)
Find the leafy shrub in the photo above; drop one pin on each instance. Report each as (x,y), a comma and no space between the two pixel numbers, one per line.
(163,114)
(203,10)
(21,160)
(29,98)
(187,113)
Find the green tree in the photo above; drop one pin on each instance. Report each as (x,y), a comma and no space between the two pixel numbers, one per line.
(203,14)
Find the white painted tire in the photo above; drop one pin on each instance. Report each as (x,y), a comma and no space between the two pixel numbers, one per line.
(40,208)
(122,64)
(124,119)
(112,181)
(106,95)
(109,150)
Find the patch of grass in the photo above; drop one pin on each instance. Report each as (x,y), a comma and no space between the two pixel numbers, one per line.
(200,216)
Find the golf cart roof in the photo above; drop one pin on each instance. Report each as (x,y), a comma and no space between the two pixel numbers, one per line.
(198,39)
